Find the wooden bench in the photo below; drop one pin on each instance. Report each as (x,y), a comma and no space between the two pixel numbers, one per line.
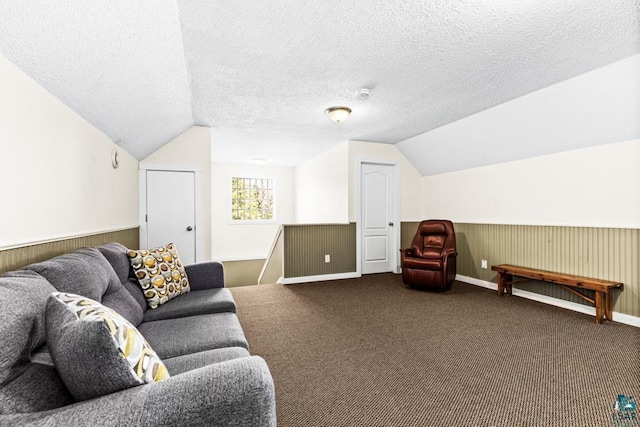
(603,288)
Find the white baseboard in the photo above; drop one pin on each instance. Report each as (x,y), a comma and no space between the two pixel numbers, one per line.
(319,278)
(617,317)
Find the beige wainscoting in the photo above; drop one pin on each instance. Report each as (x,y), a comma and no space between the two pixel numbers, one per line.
(603,253)
(242,272)
(407,232)
(15,258)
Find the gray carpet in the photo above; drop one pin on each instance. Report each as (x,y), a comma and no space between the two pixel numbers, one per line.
(373,352)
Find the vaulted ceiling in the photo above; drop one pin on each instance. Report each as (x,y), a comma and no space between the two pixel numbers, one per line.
(261,74)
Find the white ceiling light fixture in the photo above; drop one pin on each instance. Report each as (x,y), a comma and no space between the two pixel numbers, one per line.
(259,161)
(338,114)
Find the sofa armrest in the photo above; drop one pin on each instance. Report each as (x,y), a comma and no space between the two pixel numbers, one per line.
(236,392)
(205,275)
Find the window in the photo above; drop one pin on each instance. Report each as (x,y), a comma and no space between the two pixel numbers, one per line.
(252,199)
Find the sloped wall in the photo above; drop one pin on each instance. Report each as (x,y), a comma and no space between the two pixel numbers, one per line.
(590,187)
(56,176)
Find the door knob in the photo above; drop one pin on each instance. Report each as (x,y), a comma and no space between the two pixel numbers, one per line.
(189,228)
(390,224)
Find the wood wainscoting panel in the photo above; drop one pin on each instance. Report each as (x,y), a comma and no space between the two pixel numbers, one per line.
(407,233)
(242,272)
(305,247)
(16,258)
(603,253)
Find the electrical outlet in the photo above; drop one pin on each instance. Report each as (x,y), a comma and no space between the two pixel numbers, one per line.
(327,258)
(484,264)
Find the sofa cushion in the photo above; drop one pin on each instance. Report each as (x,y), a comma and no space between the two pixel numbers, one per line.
(95,350)
(160,273)
(87,272)
(184,335)
(116,254)
(189,362)
(208,301)
(25,386)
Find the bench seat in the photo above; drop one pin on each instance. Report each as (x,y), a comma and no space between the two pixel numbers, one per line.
(603,288)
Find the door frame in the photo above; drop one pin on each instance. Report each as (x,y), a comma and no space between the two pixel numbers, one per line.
(142,201)
(396,193)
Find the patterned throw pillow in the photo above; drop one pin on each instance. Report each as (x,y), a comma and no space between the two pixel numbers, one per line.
(160,273)
(96,351)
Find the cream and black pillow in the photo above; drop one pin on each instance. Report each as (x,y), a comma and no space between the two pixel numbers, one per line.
(95,350)
(160,273)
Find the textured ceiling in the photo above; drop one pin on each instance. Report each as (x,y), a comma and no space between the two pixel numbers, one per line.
(119,64)
(262,75)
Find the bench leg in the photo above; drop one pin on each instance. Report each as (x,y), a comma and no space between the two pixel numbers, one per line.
(608,306)
(600,309)
(505,282)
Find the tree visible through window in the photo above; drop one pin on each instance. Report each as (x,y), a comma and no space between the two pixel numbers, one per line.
(252,199)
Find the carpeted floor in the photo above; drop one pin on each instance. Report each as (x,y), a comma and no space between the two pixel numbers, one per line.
(373,352)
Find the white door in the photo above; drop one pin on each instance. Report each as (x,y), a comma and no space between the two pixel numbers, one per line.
(171,211)
(377,218)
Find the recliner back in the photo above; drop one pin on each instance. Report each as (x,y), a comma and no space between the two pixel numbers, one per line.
(433,238)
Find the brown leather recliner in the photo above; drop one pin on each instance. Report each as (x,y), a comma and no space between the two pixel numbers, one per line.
(430,262)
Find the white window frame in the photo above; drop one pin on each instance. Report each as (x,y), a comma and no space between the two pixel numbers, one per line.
(251,221)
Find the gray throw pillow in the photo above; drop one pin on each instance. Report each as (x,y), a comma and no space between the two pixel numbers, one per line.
(96,351)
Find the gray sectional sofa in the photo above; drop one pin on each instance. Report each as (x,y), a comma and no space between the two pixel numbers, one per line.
(214,381)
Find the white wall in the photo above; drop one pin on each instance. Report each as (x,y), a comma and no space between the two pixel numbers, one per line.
(325,185)
(56,174)
(234,241)
(411,181)
(598,107)
(192,148)
(589,187)
(321,187)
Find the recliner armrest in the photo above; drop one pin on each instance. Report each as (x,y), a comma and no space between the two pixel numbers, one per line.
(408,251)
(450,252)
(205,275)
(237,392)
